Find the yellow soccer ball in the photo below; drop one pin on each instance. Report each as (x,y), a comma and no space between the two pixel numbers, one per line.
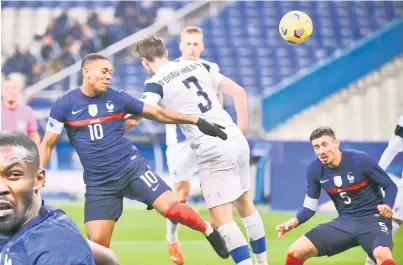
(295,27)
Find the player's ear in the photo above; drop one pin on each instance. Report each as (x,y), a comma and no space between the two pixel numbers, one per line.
(39,180)
(337,143)
(166,54)
(85,72)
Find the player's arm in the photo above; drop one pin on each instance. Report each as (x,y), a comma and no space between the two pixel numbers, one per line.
(220,98)
(309,208)
(54,128)
(33,129)
(395,146)
(238,94)
(374,172)
(156,113)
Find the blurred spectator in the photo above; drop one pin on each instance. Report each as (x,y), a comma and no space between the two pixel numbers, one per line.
(14,115)
(15,63)
(90,41)
(75,29)
(94,21)
(68,56)
(62,28)
(50,48)
(24,63)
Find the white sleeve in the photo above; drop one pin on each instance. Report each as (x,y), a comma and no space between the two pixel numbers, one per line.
(54,126)
(150,98)
(311,203)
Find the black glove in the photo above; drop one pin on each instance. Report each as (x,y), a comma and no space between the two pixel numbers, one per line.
(211,129)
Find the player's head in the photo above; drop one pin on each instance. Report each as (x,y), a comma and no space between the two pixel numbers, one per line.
(10,91)
(20,180)
(191,44)
(97,72)
(325,145)
(150,49)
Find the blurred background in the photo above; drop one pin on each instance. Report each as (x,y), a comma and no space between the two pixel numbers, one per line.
(348,75)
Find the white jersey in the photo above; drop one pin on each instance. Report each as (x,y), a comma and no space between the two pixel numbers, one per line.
(189,87)
(172,131)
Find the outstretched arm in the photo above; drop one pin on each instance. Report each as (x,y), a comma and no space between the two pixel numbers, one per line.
(46,147)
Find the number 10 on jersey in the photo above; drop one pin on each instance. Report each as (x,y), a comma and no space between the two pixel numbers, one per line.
(96,131)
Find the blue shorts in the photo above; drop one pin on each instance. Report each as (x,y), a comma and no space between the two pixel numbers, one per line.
(105,202)
(343,233)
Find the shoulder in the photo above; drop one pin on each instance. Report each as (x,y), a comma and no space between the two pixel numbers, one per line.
(356,155)
(55,228)
(315,167)
(68,98)
(209,65)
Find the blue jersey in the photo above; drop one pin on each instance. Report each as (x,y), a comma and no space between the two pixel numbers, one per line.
(50,238)
(354,186)
(95,127)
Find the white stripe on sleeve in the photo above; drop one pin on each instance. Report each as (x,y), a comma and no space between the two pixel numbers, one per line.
(311,203)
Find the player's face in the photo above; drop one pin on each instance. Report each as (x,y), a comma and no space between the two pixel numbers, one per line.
(326,149)
(191,46)
(99,74)
(10,91)
(19,181)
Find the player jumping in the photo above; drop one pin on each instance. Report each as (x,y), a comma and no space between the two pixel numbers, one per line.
(181,158)
(191,87)
(93,116)
(353,181)
(395,146)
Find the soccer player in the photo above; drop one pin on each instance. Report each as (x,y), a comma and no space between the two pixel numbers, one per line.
(395,146)
(191,87)
(353,181)
(181,158)
(31,231)
(113,168)
(16,116)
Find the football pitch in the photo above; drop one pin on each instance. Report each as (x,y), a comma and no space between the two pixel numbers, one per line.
(139,239)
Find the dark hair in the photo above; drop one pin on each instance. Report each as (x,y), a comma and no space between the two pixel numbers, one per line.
(12,138)
(150,47)
(92,57)
(322,131)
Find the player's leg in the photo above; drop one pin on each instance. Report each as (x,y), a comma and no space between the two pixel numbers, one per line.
(181,189)
(250,217)
(315,244)
(376,239)
(102,210)
(152,190)
(103,255)
(221,185)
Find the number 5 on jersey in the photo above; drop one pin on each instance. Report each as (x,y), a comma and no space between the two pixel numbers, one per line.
(96,131)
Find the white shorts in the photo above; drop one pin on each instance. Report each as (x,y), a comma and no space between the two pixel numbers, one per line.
(182,161)
(398,208)
(224,169)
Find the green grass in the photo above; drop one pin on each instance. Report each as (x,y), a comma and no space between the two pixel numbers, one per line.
(139,239)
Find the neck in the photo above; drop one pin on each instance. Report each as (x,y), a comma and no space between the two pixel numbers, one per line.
(88,91)
(158,63)
(33,210)
(10,104)
(337,160)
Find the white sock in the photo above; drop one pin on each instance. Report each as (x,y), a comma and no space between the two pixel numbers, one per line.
(395,227)
(255,230)
(236,243)
(172,231)
(369,261)
(209,229)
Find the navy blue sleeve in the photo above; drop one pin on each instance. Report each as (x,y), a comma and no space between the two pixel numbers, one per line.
(60,108)
(311,197)
(154,88)
(61,245)
(374,172)
(132,104)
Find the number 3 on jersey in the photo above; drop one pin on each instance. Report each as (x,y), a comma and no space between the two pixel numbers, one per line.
(96,131)
(200,93)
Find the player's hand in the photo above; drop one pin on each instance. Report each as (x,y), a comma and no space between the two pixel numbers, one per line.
(286,227)
(211,129)
(385,210)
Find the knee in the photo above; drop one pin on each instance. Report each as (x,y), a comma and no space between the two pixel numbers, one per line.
(299,252)
(382,253)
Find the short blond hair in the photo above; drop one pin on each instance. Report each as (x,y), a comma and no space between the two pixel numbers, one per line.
(191,30)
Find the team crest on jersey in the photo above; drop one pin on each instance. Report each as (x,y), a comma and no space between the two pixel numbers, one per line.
(93,110)
(350,178)
(338,181)
(110,106)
